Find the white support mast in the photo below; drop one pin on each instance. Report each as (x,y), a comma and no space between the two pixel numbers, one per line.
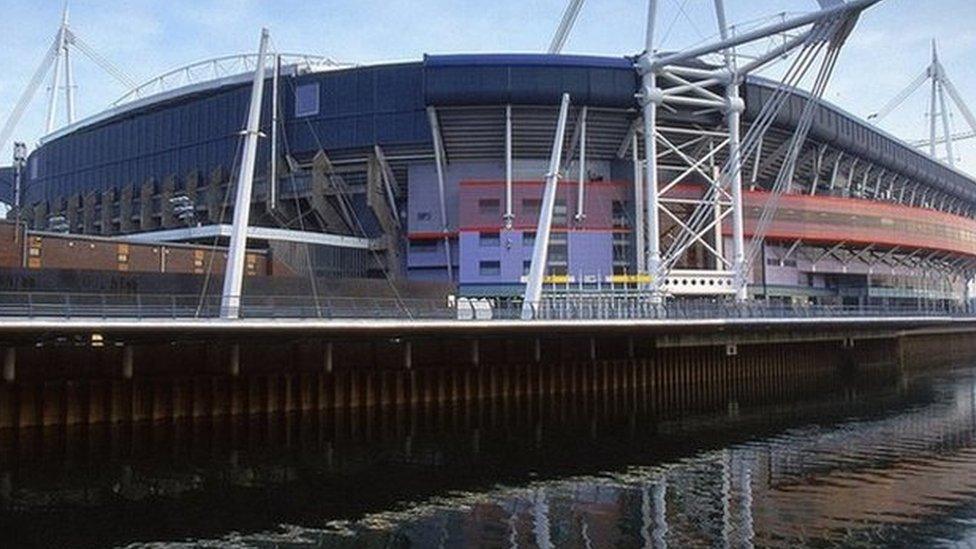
(650,98)
(230,302)
(52,106)
(540,250)
(942,94)
(733,112)
(695,87)
(56,60)
(565,26)
(69,86)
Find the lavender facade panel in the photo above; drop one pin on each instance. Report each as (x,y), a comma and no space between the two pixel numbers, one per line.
(509,255)
(590,254)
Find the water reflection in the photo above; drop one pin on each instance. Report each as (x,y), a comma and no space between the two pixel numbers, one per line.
(867,461)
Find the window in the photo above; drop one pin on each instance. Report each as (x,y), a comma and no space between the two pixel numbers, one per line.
(423,216)
(489,240)
(526,267)
(620,217)
(558,253)
(557,270)
(490,268)
(489,206)
(307,100)
(531,206)
(423,246)
(528,240)
(560,212)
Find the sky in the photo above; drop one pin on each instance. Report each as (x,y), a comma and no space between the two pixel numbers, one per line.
(888,49)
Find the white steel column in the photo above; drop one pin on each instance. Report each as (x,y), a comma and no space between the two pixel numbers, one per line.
(932,106)
(69,89)
(651,97)
(946,129)
(273,168)
(540,251)
(52,106)
(230,303)
(509,216)
(580,191)
(435,129)
(734,109)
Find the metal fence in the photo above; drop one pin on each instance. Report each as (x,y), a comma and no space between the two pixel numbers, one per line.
(593,307)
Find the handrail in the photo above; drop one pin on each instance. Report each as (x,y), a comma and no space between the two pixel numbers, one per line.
(54,305)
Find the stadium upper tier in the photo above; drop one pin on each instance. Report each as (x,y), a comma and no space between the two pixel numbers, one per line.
(347,111)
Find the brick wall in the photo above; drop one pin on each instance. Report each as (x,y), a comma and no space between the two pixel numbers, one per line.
(55,251)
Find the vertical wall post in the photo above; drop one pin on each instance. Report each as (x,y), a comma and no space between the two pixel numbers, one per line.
(509,215)
(328,357)
(581,190)
(127,361)
(10,364)
(234,366)
(540,252)
(639,241)
(230,303)
(273,168)
(407,355)
(435,129)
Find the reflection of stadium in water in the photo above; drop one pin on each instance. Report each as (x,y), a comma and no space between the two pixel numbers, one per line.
(557,474)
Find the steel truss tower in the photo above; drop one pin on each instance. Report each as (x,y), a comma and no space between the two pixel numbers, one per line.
(675,80)
(938,109)
(57,62)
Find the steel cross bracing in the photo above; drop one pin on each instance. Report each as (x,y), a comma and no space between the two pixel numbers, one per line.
(671,82)
(938,109)
(58,64)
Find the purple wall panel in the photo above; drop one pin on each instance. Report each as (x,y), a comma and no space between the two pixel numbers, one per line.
(510,253)
(590,253)
(422,185)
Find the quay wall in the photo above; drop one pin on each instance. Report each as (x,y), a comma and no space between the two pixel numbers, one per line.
(78,382)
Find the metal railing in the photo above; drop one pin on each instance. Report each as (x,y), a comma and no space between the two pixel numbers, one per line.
(38,305)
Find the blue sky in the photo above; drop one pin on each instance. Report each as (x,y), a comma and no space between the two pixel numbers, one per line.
(145,38)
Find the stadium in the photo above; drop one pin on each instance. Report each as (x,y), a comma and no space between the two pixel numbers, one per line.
(434,170)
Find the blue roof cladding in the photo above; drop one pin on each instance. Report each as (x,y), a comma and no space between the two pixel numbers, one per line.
(7,184)
(529,80)
(384,105)
(359,108)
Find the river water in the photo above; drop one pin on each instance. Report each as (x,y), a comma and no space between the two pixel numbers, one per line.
(859,461)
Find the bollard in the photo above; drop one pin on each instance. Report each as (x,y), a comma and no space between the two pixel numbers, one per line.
(538,350)
(475,353)
(407,355)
